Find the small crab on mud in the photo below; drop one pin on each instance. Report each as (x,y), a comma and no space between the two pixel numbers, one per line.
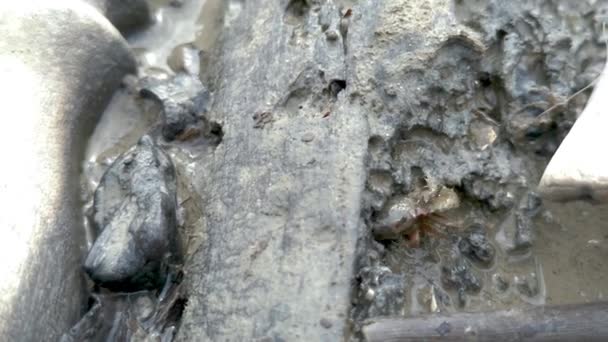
(415,214)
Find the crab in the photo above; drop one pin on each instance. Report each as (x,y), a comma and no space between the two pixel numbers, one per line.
(415,215)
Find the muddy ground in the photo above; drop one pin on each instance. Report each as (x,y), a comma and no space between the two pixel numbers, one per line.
(375,158)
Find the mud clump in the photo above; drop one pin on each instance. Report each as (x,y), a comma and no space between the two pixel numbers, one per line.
(135,213)
(381,292)
(459,275)
(524,224)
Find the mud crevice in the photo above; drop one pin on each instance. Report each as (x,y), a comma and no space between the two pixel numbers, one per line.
(473,122)
(296,11)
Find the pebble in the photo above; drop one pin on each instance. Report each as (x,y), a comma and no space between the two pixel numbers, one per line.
(308,137)
(184,102)
(331,35)
(325,323)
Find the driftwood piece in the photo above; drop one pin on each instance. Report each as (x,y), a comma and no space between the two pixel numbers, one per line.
(282,191)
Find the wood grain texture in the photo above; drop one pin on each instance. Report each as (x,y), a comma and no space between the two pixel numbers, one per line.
(581,322)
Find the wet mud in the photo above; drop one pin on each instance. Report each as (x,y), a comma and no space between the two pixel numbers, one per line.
(416,131)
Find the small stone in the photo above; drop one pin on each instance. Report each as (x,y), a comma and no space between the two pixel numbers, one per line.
(308,137)
(331,35)
(143,306)
(134,210)
(325,323)
(184,101)
(476,246)
(176,3)
(482,134)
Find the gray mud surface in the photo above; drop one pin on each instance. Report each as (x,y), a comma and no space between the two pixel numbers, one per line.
(336,119)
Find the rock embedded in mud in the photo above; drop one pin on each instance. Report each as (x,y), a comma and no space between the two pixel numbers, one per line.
(482,134)
(476,246)
(184,102)
(135,212)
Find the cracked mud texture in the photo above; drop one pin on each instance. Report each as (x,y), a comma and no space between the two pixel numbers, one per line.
(134,211)
(330,109)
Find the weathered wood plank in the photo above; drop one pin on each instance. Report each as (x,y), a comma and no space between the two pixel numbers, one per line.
(282,191)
